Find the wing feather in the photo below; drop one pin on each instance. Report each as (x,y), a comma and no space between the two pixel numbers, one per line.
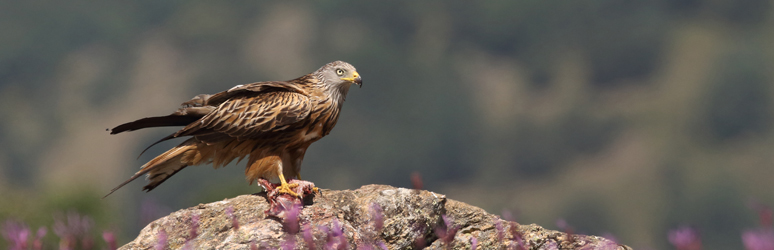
(258,87)
(247,117)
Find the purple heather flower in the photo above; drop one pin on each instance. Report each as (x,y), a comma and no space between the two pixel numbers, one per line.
(38,243)
(416,180)
(608,245)
(685,238)
(70,227)
(447,232)
(289,243)
(382,245)
(759,239)
(365,247)
(110,239)
(194,227)
(500,230)
(507,215)
(377,215)
(473,243)
(151,210)
(420,243)
(308,236)
(336,239)
(162,240)
(564,226)
(230,214)
(86,242)
(610,237)
(764,213)
(17,234)
(290,223)
(551,245)
(517,237)
(253,246)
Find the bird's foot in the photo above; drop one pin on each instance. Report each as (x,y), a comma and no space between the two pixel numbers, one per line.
(287,188)
(284,197)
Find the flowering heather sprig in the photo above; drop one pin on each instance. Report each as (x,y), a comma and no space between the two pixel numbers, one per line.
(308,236)
(289,243)
(608,245)
(609,236)
(17,234)
(685,238)
(447,232)
(161,244)
(336,238)
(70,227)
(500,230)
(551,245)
(368,246)
(253,246)
(760,239)
(517,239)
(507,215)
(110,239)
(38,243)
(518,242)
(765,215)
(151,210)
(565,227)
(230,214)
(290,223)
(416,180)
(473,243)
(86,242)
(377,216)
(364,246)
(420,242)
(194,232)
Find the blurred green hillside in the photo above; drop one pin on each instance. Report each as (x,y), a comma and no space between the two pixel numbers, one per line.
(618,116)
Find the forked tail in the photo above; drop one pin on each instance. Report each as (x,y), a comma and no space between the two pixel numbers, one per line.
(167,164)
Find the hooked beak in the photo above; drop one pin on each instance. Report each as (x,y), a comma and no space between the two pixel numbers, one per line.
(355,79)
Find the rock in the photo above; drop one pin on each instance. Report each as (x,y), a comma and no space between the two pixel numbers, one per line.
(372,217)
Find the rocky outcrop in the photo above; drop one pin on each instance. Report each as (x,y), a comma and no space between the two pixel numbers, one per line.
(372,217)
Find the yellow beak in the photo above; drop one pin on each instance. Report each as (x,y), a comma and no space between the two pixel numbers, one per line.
(355,79)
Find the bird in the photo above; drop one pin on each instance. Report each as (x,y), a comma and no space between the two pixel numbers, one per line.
(272,123)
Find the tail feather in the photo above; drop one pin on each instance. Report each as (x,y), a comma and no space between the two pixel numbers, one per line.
(157,121)
(167,164)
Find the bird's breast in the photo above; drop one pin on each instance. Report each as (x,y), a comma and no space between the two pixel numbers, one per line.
(314,133)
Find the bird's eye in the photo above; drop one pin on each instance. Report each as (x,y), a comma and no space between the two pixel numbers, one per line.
(340,72)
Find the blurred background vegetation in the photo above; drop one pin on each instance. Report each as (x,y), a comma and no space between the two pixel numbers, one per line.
(618,116)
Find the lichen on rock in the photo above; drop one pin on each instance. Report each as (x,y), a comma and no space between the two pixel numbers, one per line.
(371,217)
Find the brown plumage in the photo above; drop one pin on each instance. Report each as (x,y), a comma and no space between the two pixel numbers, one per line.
(270,123)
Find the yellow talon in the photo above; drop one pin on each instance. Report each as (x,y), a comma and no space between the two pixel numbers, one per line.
(286,188)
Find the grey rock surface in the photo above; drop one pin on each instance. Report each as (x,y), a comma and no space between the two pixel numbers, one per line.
(371,217)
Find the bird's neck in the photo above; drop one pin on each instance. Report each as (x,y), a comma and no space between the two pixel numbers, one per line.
(338,93)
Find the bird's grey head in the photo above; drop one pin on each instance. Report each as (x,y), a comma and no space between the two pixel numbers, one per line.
(338,74)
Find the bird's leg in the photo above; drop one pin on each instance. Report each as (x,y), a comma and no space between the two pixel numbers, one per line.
(285,188)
